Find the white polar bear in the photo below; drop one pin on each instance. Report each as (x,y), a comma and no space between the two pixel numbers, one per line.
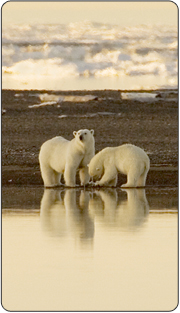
(127,159)
(60,156)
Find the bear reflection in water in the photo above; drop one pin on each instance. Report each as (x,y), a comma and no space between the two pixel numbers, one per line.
(66,212)
(119,212)
(71,212)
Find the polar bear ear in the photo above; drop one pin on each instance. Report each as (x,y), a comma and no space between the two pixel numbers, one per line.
(74,133)
(92,131)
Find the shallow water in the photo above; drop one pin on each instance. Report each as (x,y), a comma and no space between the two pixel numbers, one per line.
(75,249)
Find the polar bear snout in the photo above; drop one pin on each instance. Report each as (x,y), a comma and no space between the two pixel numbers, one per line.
(83,135)
(95,172)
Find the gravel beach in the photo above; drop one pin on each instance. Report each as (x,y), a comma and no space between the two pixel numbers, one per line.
(116,118)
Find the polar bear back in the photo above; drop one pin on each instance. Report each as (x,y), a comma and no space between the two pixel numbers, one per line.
(122,157)
(51,153)
(128,154)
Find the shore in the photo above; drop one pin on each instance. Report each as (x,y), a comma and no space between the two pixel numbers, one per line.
(151,124)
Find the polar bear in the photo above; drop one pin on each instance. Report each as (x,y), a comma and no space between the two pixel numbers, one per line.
(60,156)
(127,159)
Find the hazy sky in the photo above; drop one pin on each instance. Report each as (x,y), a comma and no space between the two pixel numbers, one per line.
(122,13)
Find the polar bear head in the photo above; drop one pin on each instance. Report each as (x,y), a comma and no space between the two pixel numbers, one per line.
(84,136)
(96,167)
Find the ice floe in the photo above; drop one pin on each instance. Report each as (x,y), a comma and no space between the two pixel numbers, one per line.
(51,99)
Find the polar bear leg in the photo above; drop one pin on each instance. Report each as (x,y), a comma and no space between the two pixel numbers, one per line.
(70,176)
(142,179)
(132,178)
(113,182)
(84,176)
(110,174)
(50,177)
(57,178)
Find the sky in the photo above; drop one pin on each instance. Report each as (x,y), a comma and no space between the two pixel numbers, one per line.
(120,13)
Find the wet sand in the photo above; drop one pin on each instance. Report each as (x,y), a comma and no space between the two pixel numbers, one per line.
(152,125)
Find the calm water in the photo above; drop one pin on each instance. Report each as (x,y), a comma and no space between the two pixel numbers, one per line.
(103,249)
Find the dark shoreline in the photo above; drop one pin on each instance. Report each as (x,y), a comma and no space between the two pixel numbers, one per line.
(28,197)
(152,125)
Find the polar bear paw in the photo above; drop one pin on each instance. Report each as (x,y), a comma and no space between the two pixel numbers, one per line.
(91,183)
(128,186)
(97,183)
(71,186)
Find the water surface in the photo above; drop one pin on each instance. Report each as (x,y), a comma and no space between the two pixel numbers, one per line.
(89,56)
(76,249)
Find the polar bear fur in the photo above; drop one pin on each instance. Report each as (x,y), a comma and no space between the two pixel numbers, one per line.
(126,159)
(60,156)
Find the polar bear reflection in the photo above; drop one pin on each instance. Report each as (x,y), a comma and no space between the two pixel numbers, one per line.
(128,214)
(66,212)
(72,212)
